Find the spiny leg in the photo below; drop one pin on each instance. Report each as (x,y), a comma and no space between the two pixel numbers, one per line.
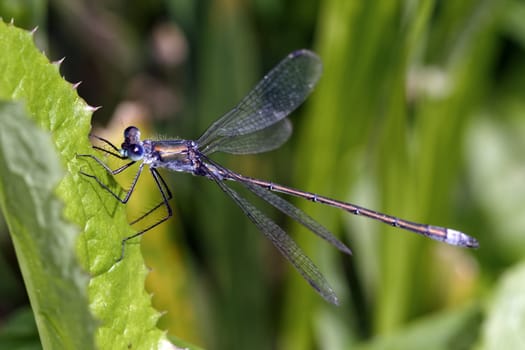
(116,155)
(107,143)
(108,169)
(169,196)
(160,182)
(119,170)
(114,172)
(104,165)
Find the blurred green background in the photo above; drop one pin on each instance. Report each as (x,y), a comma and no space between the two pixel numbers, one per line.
(420,113)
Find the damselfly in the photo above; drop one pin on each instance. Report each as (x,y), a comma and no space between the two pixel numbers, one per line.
(257,124)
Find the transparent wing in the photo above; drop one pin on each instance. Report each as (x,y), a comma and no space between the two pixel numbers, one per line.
(298,215)
(261,141)
(288,248)
(280,92)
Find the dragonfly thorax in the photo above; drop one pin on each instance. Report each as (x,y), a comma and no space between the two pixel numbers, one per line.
(177,155)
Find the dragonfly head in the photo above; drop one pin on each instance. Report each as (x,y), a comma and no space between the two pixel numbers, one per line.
(132,146)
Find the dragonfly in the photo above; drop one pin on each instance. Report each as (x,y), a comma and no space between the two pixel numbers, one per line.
(258,123)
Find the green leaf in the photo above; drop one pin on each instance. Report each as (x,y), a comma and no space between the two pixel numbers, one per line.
(36,183)
(43,241)
(453,329)
(505,323)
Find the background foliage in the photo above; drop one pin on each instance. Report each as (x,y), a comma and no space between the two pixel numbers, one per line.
(419,113)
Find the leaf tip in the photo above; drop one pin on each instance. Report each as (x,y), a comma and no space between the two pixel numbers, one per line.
(92,108)
(58,62)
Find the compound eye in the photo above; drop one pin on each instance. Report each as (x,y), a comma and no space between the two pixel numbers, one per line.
(135,152)
(131,134)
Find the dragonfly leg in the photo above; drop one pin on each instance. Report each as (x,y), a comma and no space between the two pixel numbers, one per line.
(163,187)
(166,195)
(113,172)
